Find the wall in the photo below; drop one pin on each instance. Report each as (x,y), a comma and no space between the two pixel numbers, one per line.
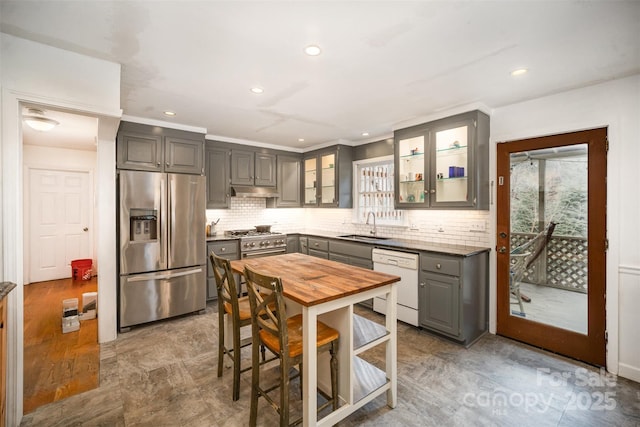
(423,225)
(36,156)
(39,74)
(616,105)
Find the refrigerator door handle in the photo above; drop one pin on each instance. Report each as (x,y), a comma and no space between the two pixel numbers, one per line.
(162,275)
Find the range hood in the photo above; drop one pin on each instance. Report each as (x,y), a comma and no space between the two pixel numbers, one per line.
(246,191)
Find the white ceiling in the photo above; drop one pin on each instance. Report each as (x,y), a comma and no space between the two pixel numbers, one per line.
(384,63)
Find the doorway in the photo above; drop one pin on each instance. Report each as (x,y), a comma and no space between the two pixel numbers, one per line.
(551,243)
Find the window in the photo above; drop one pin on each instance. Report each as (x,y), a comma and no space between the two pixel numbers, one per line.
(374,192)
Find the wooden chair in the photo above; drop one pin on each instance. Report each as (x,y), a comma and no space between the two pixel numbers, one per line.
(521,259)
(239,312)
(283,337)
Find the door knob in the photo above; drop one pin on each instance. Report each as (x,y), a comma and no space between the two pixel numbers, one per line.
(85,229)
(502,250)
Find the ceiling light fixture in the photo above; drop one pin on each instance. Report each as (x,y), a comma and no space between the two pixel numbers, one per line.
(257,89)
(300,139)
(365,133)
(312,50)
(519,72)
(169,113)
(37,121)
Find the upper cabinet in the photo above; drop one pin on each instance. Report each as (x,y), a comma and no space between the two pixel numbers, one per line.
(443,164)
(217,172)
(289,173)
(253,168)
(328,177)
(151,148)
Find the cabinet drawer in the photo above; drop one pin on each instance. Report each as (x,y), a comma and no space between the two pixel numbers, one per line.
(318,254)
(350,249)
(318,244)
(224,249)
(440,264)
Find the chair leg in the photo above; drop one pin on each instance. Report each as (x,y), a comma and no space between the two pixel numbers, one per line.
(255,383)
(284,393)
(236,362)
(221,349)
(334,374)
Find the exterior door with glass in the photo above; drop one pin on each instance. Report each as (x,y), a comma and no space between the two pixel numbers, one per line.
(551,243)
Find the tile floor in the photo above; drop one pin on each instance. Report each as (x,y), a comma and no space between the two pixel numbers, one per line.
(164,374)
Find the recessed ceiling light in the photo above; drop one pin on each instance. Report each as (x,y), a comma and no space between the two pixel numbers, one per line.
(169,113)
(519,72)
(257,89)
(365,133)
(300,139)
(312,50)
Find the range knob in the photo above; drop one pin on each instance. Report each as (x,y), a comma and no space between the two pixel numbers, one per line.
(252,244)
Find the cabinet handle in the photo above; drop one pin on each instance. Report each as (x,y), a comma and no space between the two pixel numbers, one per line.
(422,285)
(158,163)
(167,164)
(315,244)
(433,191)
(438,266)
(223,249)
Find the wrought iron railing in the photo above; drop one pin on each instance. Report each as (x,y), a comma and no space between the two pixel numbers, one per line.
(562,264)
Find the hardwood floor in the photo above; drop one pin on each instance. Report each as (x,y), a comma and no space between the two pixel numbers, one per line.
(57,365)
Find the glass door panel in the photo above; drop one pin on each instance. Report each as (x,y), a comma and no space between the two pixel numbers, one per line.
(310,181)
(549,241)
(411,170)
(452,166)
(328,180)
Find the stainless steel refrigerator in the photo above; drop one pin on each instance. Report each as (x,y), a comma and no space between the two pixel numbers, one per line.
(162,262)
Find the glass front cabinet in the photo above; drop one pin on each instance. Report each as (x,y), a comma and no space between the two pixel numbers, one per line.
(443,164)
(328,178)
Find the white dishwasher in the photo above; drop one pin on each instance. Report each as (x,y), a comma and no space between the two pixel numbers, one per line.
(405,265)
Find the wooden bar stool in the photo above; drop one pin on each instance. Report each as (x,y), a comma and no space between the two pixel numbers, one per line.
(239,312)
(283,337)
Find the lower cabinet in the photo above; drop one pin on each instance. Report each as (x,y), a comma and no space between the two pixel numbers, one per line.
(303,245)
(453,295)
(228,249)
(293,243)
(318,247)
(356,254)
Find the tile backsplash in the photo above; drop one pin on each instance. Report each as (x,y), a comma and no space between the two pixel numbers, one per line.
(453,227)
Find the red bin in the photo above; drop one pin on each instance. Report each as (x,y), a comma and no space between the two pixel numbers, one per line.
(81,269)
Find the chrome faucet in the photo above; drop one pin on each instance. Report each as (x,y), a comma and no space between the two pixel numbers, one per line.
(374,231)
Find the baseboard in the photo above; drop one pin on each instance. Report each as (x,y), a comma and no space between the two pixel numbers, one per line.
(630,372)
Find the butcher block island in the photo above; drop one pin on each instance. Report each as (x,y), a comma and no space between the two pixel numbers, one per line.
(327,290)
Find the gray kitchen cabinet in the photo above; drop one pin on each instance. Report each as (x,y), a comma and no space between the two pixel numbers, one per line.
(328,177)
(228,249)
(358,254)
(318,247)
(288,179)
(303,245)
(250,168)
(152,148)
(293,243)
(217,172)
(443,164)
(453,295)
(183,155)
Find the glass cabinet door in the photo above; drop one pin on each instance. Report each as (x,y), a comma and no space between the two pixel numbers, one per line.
(328,181)
(310,181)
(411,170)
(451,165)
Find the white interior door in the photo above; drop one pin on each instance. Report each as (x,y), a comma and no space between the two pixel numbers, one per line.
(61,208)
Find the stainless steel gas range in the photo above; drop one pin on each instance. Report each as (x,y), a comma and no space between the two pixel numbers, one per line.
(254,244)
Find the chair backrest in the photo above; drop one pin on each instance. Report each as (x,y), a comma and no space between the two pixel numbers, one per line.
(225,283)
(267,307)
(523,257)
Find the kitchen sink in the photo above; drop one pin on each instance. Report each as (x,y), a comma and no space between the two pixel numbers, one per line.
(363,237)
